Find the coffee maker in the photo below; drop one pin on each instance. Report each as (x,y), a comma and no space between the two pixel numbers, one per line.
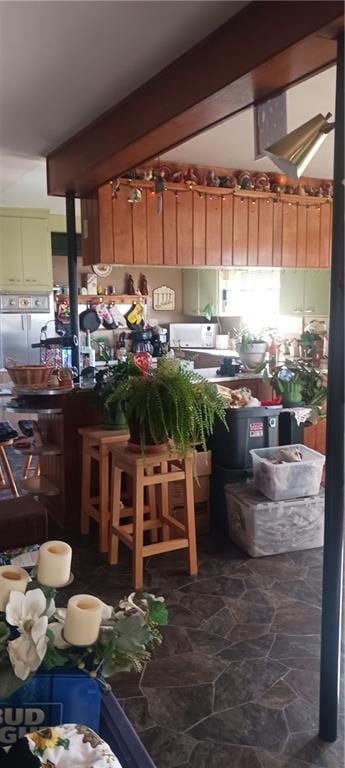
(141,341)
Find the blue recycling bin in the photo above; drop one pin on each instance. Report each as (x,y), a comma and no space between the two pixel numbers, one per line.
(50,699)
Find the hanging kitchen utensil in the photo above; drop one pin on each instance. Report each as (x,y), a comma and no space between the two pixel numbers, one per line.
(89,320)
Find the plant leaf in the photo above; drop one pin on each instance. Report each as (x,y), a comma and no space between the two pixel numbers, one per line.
(4,633)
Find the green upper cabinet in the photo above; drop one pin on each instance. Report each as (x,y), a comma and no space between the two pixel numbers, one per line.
(37,260)
(199,288)
(304,292)
(317,291)
(291,298)
(11,260)
(25,251)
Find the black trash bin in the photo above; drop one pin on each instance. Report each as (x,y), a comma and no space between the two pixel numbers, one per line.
(222,476)
(248,428)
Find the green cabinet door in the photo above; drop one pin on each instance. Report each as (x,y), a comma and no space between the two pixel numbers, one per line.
(291,297)
(190,291)
(208,289)
(11,262)
(37,258)
(317,291)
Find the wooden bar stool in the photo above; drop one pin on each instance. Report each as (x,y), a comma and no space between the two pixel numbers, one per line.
(96,445)
(150,471)
(6,475)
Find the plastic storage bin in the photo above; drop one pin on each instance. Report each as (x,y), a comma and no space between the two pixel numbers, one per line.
(291,480)
(262,527)
(222,476)
(248,428)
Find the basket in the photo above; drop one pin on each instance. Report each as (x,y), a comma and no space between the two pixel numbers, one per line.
(34,376)
(291,480)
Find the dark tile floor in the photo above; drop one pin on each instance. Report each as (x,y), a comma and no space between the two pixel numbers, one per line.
(235,682)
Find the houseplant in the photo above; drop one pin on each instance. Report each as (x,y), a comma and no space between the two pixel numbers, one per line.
(31,637)
(167,404)
(107,379)
(297,382)
(250,346)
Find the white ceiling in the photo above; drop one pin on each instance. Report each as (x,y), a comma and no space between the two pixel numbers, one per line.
(231,144)
(64,63)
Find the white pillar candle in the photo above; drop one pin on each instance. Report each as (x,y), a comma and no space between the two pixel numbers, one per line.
(83,620)
(54,564)
(11,578)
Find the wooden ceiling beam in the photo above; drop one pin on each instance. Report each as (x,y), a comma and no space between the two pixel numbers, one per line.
(264,49)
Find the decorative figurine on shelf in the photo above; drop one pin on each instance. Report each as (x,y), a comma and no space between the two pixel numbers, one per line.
(143,289)
(115,187)
(135,195)
(262,182)
(212,179)
(190,178)
(159,188)
(130,290)
(148,174)
(301,189)
(246,181)
(176,177)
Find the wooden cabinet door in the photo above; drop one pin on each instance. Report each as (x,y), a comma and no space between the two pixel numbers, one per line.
(184,214)
(277,234)
(37,256)
(326,234)
(253,232)
(105,224)
(154,231)
(213,230)
(240,232)
(317,291)
(122,227)
(90,249)
(313,235)
(199,229)
(289,234)
(301,235)
(265,235)
(291,297)
(169,228)
(11,260)
(227,229)
(139,214)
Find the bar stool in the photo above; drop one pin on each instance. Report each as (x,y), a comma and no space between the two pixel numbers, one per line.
(149,471)
(6,475)
(96,443)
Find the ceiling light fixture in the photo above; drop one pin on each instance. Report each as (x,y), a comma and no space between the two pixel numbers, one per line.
(294,152)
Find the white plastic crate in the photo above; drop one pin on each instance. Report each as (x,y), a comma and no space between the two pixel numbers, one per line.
(291,480)
(262,527)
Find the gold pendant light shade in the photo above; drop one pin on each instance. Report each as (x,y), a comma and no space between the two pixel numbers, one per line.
(293,153)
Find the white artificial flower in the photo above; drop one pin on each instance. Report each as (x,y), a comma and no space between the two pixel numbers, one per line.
(57,629)
(28,613)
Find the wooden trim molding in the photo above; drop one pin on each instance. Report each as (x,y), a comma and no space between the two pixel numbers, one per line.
(265,48)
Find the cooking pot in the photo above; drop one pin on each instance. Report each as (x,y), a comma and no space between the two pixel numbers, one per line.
(89,320)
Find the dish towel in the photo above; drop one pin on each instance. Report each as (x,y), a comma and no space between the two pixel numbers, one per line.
(67,746)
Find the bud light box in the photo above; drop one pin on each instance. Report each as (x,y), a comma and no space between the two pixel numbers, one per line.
(50,699)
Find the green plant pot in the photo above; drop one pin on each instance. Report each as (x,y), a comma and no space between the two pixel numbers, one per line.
(291,393)
(118,421)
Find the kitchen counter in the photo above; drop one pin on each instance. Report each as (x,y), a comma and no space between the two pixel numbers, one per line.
(211,351)
(211,375)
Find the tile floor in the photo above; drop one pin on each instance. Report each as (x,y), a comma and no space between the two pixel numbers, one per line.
(235,682)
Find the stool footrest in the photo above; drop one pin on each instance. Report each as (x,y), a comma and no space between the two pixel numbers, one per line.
(164,546)
(163,477)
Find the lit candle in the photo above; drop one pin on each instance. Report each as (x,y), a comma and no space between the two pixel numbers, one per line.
(54,564)
(11,578)
(83,620)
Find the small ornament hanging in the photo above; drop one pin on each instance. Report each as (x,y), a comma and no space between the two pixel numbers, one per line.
(135,195)
(115,188)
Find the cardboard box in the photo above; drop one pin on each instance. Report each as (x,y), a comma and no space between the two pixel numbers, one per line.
(201,493)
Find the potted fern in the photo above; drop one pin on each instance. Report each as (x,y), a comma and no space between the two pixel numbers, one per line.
(107,380)
(168,405)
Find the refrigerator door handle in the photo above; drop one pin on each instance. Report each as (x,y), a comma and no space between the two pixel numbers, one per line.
(22,319)
(29,322)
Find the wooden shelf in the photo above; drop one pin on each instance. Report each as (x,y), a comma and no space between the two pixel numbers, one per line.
(112,298)
(44,450)
(39,486)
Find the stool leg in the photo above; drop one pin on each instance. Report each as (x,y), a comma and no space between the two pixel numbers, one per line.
(3,483)
(151,490)
(138,530)
(115,511)
(85,490)
(103,485)
(8,471)
(190,517)
(165,501)
(26,467)
(38,468)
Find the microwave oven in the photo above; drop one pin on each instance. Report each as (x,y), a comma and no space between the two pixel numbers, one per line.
(195,335)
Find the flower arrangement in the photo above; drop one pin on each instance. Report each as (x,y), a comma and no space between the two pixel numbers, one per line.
(32,637)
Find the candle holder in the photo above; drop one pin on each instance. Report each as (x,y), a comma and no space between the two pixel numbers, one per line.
(62,586)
